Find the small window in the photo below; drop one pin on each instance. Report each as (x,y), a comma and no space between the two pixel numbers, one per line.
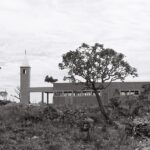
(77,93)
(58,93)
(136,92)
(68,93)
(24,71)
(132,92)
(125,93)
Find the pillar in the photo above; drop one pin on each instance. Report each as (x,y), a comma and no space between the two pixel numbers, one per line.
(42,97)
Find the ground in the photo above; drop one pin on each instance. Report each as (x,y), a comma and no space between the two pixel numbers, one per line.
(24,127)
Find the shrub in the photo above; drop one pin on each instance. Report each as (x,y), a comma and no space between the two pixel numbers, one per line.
(115,102)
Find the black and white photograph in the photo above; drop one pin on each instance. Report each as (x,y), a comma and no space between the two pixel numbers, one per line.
(74,75)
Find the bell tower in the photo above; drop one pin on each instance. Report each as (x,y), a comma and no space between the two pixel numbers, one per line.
(25,81)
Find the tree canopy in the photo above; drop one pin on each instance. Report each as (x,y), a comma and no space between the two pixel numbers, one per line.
(92,64)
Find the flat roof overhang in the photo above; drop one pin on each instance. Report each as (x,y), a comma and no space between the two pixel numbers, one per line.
(42,89)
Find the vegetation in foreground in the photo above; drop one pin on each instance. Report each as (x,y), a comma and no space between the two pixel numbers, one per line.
(24,127)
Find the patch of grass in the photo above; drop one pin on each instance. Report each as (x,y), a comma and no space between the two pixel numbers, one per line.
(24,127)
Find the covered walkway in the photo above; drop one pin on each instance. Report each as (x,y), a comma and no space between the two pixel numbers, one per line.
(42,90)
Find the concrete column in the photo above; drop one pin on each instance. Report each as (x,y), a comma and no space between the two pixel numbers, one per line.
(47,98)
(42,97)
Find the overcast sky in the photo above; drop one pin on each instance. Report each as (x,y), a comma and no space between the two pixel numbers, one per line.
(49,28)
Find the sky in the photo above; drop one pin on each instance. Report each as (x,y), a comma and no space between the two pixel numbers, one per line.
(49,28)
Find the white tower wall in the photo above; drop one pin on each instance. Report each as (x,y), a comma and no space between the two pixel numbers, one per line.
(25,85)
(25,82)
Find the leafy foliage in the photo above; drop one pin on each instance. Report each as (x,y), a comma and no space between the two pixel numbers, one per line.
(146,88)
(21,131)
(4,94)
(50,79)
(115,102)
(92,64)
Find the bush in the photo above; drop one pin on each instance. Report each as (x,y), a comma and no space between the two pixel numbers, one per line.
(4,102)
(43,127)
(50,113)
(115,102)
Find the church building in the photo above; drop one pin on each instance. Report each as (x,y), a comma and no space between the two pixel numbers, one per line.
(74,94)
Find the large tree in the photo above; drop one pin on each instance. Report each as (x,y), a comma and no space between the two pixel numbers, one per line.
(96,67)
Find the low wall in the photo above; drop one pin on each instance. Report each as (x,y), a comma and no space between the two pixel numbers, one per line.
(76,100)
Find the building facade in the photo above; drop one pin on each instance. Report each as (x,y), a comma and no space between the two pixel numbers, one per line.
(75,94)
(69,93)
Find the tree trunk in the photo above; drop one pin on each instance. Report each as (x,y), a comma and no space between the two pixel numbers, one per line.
(102,109)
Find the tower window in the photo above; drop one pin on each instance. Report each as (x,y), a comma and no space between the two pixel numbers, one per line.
(24,71)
